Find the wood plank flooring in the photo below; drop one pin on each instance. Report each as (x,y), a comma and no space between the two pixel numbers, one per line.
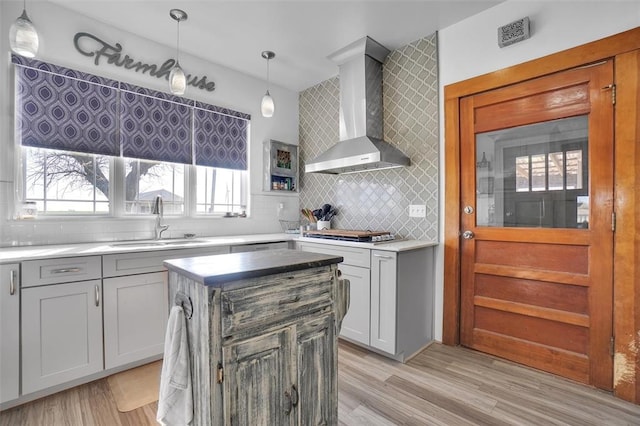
(441,386)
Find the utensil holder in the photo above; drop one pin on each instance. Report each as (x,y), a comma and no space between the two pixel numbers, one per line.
(324,224)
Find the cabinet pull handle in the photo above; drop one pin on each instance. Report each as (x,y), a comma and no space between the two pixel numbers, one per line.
(381,256)
(12,282)
(294,395)
(97,295)
(65,270)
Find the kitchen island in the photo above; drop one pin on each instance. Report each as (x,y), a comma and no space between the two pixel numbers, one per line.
(262,333)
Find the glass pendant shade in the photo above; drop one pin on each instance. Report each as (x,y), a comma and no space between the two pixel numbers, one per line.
(267,107)
(23,36)
(177,80)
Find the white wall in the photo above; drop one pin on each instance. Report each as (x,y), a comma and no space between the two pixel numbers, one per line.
(470,48)
(57,27)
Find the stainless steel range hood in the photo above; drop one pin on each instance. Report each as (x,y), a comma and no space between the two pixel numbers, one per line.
(361,147)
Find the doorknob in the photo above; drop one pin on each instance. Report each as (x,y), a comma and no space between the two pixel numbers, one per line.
(468,210)
(467,235)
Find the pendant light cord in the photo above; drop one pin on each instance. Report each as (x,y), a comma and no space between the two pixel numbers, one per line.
(268,60)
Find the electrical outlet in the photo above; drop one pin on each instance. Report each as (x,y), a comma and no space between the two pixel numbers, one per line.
(417,210)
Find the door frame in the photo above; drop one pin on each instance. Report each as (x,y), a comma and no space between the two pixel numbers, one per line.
(624,49)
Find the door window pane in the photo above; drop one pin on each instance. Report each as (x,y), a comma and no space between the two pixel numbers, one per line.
(537,174)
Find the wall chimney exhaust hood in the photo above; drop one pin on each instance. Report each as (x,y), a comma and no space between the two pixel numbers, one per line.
(361,147)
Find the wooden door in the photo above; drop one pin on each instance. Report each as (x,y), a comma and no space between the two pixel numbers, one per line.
(536,223)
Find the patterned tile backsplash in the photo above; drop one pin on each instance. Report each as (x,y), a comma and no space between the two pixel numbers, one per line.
(379,200)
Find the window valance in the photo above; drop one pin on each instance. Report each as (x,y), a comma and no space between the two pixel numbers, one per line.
(64,109)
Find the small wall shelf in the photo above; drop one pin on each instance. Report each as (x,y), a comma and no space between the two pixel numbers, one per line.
(280,167)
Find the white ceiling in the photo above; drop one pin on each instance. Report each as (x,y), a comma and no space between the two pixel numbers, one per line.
(302,33)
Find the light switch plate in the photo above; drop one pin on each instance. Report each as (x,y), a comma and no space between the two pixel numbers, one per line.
(417,210)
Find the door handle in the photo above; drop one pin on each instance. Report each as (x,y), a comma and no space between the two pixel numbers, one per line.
(12,282)
(468,235)
(97,295)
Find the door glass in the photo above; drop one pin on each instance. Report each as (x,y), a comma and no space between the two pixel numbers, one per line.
(534,176)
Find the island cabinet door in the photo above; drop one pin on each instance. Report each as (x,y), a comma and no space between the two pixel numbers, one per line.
(258,382)
(317,366)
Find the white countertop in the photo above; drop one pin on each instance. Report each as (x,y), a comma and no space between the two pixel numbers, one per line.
(21,253)
(18,254)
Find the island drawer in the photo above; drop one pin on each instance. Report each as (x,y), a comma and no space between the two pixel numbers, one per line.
(117,265)
(288,295)
(60,270)
(352,255)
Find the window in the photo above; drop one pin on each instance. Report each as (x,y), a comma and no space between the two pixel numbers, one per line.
(63,182)
(555,171)
(68,183)
(220,190)
(145,180)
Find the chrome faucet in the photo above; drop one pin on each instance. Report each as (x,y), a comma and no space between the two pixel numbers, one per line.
(158,210)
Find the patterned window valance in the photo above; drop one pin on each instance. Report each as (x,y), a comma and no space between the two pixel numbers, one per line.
(64,109)
(59,112)
(220,140)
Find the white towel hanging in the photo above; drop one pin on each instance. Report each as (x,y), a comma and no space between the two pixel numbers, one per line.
(175,404)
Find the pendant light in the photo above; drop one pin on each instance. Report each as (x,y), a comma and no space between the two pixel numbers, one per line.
(177,78)
(23,36)
(267,107)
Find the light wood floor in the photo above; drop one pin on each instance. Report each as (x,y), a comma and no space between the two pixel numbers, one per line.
(441,386)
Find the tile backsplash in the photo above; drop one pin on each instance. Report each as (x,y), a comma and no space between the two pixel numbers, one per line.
(379,200)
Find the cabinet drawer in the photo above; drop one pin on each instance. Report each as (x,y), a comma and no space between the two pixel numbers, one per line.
(117,265)
(60,270)
(284,296)
(352,255)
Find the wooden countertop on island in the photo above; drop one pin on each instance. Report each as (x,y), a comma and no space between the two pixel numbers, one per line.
(218,270)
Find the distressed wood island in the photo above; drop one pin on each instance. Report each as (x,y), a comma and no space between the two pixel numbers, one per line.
(262,333)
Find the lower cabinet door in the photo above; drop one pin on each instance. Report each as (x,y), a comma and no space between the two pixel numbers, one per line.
(135,317)
(9,332)
(383,300)
(317,367)
(61,333)
(258,380)
(355,325)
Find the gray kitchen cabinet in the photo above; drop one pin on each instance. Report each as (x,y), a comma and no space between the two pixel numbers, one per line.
(10,332)
(391,309)
(355,325)
(61,333)
(135,317)
(136,302)
(61,301)
(355,268)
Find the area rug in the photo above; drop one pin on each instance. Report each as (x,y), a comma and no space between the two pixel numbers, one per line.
(136,387)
